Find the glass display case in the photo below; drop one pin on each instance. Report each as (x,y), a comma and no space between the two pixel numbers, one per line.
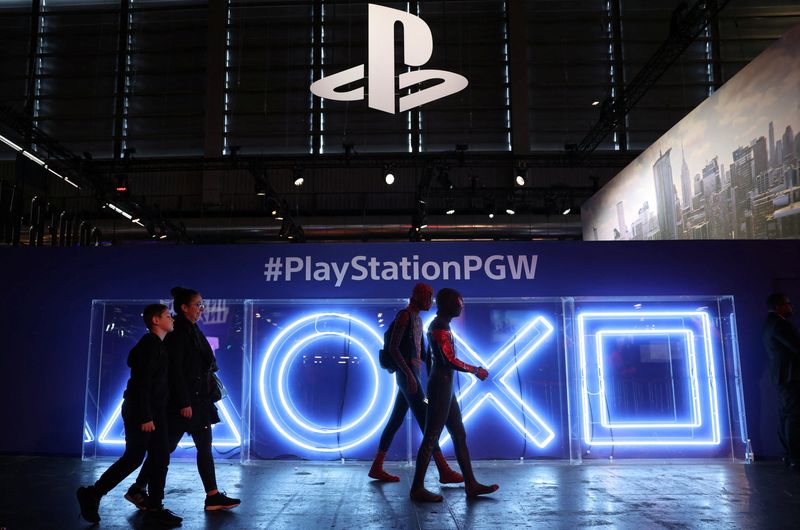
(318,391)
(656,378)
(569,378)
(116,327)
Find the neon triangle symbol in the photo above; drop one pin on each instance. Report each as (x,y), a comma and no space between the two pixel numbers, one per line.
(117,437)
(87,433)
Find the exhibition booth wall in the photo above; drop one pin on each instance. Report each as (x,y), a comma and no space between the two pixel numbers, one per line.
(596,350)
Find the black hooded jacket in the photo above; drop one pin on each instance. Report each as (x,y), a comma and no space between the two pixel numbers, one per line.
(147,389)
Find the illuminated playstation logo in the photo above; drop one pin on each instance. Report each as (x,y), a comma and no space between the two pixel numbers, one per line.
(417,50)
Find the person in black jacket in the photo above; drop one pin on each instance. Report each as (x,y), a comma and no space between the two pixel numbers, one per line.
(782,343)
(190,408)
(407,346)
(144,412)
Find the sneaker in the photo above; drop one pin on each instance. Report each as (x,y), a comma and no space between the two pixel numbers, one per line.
(89,503)
(220,501)
(162,516)
(137,496)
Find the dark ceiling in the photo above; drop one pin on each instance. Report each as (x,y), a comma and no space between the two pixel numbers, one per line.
(195,119)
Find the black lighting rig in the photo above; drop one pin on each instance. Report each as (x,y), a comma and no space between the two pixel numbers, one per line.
(437,194)
(275,204)
(686,25)
(439,181)
(82,173)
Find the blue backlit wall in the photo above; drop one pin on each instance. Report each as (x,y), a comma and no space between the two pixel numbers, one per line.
(115,329)
(46,317)
(318,391)
(568,378)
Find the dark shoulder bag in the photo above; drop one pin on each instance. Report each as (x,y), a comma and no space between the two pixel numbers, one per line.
(216,390)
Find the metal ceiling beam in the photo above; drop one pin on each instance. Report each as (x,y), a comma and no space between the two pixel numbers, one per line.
(84,172)
(391,228)
(606,159)
(686,25)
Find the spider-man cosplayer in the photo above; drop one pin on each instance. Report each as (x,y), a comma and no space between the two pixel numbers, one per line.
(443,409)
(406,346)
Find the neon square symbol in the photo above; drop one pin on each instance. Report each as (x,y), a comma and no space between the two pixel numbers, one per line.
(694,329)
(688,339)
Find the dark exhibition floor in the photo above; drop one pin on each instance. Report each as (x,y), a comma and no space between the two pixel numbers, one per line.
(39,493)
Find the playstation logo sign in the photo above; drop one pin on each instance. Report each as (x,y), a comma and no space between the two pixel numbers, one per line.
(417,50)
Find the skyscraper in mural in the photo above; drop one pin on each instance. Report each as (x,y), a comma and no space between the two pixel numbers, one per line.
(772,162)
(742,182)
(788,146)
(665,196)
(621,224)
(711,180)
(686,182)
(760,157)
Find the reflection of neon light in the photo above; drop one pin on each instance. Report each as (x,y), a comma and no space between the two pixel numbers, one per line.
(692,363)
(282,383)
(710,375)
(105,439)
(545,329)
(289,408)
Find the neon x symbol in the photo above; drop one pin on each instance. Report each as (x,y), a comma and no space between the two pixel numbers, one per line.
(525,343)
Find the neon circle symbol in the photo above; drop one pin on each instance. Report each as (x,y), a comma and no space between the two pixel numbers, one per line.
(282,383)
(280,353)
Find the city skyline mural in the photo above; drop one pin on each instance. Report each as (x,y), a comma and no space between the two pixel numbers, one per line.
(728,170)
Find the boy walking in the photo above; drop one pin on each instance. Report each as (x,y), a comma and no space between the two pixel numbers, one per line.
(144,411)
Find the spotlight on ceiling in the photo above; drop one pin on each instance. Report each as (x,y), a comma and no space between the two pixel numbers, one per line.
(489,205)
(298,177)
(419,220)
(520,174)
(449,206)
(510,209)
(388,175)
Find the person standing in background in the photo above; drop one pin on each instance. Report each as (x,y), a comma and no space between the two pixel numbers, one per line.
(782,343)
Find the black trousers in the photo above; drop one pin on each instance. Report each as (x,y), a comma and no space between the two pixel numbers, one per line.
(205,459)
(138,443)
(443,411)
(402,402)
(789,420)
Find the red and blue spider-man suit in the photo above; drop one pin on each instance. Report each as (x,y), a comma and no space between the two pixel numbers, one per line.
(443,409)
